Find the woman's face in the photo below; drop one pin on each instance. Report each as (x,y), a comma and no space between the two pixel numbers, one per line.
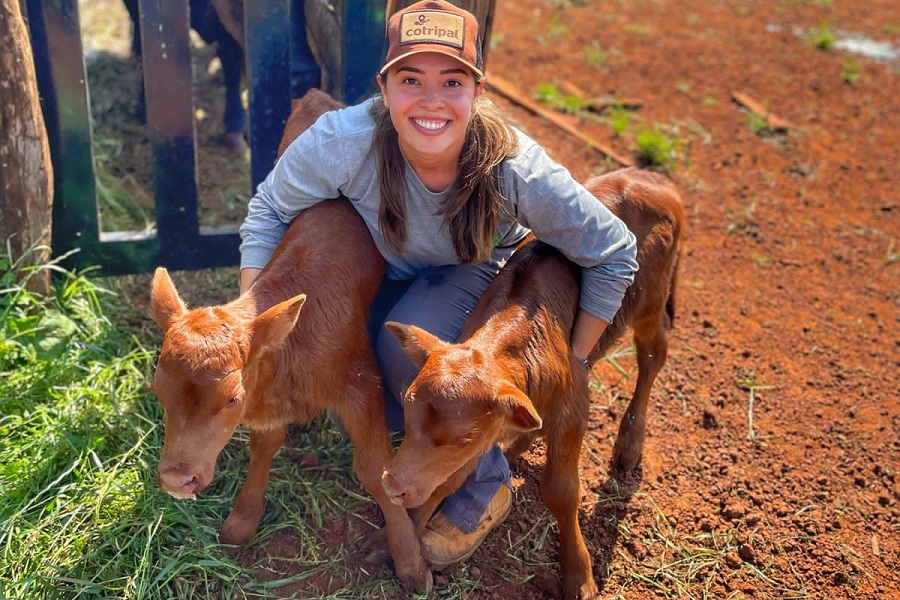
(430,97)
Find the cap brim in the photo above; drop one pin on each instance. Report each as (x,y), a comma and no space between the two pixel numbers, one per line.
(438,49)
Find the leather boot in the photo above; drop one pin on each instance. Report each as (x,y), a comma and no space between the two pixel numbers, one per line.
(445,544)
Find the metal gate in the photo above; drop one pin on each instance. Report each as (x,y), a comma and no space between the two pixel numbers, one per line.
(179,241)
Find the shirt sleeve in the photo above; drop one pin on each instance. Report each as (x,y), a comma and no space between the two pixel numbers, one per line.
(562,213)
(310,170)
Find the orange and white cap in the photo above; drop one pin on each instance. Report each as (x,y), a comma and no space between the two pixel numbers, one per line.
(434,26)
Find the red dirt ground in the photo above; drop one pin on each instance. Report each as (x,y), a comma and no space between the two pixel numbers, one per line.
(790,285)
(770,470)
(771,464)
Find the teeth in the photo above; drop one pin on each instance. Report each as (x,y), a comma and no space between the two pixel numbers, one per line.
(432,125)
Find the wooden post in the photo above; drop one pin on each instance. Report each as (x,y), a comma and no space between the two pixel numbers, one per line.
(26,174)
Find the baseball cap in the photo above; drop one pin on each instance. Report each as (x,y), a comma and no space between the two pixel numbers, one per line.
(434,26)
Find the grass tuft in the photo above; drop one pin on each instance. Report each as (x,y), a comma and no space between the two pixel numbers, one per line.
(823,37)
(850,71)
(655,148)
(550,94)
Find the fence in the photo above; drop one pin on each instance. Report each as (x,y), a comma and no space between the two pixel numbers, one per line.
(178,240)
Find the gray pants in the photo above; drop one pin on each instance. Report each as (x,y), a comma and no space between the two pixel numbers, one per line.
(439,301)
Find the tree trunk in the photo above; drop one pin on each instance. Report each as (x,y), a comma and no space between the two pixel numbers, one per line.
(26,175)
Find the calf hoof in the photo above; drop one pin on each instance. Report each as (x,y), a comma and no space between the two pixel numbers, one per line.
(580,590)
(415,578)
(626,456)
(412,571)
(237,530)
(375,545)
(629,444)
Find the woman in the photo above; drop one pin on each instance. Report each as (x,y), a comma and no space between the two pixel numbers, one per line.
(447,190)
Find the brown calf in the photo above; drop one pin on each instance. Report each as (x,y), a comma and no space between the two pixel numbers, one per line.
(513,371)
(262,362)
(304,112)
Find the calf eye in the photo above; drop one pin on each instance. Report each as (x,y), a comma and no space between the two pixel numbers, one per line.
(233,401)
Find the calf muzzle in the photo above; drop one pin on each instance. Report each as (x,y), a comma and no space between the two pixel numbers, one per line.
(179,482)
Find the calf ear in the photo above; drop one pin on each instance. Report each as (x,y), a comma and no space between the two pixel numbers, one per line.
(520,411)
(415,341)
(272,328)
(165,304)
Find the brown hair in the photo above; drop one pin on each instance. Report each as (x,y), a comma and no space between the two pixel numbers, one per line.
(472,210)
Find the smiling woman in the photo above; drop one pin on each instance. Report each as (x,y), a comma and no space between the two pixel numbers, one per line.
(447,189)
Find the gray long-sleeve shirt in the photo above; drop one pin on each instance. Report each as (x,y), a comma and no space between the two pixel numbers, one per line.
(336,157)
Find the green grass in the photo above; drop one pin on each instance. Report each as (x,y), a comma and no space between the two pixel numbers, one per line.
(551,95)
(124,202)
(81,515)
(823,38)
(758,124)
(659,146)
(620,120)
(656,148)
(555,30)
(850,71)
(678,563)
(595,55)
(638,29)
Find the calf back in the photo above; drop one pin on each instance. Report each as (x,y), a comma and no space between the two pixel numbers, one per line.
(304,112)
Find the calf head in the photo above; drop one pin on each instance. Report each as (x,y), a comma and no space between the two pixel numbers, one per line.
(461,403)
(208,361)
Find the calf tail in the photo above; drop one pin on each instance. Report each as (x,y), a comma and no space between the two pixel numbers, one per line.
(673,286)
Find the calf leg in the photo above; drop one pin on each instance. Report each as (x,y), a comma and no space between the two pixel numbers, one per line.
(651,352)
(561,490)
(235,117)
(134,13)
(248,509)
(207,22)
(375,544)
(362,415)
